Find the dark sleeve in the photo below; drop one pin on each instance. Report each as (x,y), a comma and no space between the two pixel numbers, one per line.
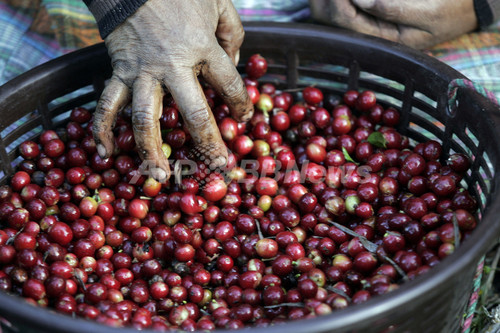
(487,12)
(110,13)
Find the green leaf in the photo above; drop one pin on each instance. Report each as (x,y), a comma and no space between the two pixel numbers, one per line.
(377,139)
(166,131)
(347,157)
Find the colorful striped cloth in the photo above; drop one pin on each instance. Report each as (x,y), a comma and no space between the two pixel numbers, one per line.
(476,55)
(273,10)
(34,31)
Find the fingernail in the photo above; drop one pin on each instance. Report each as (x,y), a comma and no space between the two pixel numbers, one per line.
(237,57)
(247,115)
(101,150)
(159,174)
(365,3)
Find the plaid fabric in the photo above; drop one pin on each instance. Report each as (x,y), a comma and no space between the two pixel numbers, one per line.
(476,55)
(20,47)
(273,10)
(72,23)
(34,31)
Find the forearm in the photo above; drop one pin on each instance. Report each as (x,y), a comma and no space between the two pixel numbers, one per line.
(487,12)
(110,13)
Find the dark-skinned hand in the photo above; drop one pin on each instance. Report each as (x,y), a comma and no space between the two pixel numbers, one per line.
(163,47)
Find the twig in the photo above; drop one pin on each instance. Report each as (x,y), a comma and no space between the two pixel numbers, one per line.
(370,246)
(338,292)
(297,305)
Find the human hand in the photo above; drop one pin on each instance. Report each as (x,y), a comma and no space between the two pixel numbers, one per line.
(163,46)
(419,24)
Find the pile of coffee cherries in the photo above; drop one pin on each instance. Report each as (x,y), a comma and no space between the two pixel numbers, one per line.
(323,205)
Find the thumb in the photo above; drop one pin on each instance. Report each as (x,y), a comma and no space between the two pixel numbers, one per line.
(365,4)
(230,31)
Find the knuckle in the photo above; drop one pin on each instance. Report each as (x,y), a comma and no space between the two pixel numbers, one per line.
(239,36)
(103,122)
(96,135)
(198,117)
(124,71)
(392,11)
(142,119)
(104,107)
(235,89)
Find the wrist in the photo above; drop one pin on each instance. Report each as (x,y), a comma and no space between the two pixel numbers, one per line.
(484,13)
(110,13)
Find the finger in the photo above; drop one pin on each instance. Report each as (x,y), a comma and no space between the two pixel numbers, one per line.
(344,14)
(198,118)
(146,112)
(230,33)
(417,19)
(350,15)
(338,12)
(408,12)
(113,99)
(222,75)
(237,58)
